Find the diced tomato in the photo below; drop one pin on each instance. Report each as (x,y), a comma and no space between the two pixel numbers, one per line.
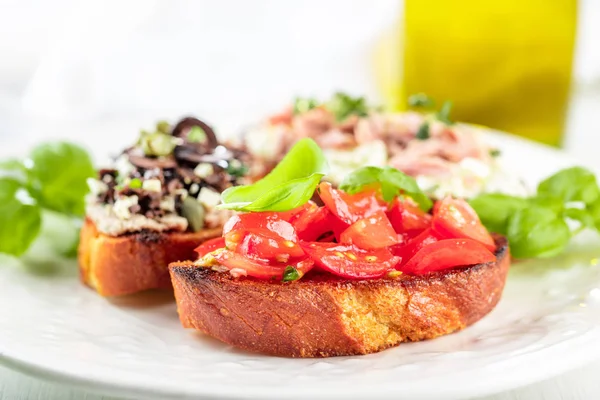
(209,246)
(284,117)
(261,220)
(313,223)
(239,265)
(407,218)
(408,250)
(262,244)
(448,253)
(349,261)
(350,207)
(374,232)
(454,218)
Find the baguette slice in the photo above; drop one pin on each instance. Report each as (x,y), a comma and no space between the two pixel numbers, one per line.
(121,265)
(322,315)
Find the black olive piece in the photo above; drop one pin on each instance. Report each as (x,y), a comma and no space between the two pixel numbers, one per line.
(183,128)
(152,162)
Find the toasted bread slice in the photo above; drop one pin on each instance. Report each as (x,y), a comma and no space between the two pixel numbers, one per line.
(131,263)
(322,315)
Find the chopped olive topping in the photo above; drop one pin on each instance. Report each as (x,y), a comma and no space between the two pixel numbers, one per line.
(197,135)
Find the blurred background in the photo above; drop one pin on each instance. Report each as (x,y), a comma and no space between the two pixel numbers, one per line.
(98,71)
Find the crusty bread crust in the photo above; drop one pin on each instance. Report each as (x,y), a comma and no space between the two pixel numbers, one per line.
(127,264)
(322,315)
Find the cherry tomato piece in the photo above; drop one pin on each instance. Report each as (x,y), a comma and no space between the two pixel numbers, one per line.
(406,251)
(238,265)
(455,218)
(209,246)
(259,220)
(407,218)
(448,253)
(350,207)
(374,232)
(349,261)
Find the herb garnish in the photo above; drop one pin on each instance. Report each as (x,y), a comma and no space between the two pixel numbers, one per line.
(291,274)
(289,185)
(341,105)
(537,226)
(53,178)
(420,100)
(302,105)
(443,115)
(423,132)
(393,182)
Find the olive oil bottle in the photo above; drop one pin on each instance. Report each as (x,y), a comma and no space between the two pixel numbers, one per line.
(504,64)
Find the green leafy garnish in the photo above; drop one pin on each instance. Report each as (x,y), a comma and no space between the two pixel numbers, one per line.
(393,182)
(343,105)
(302,105)
(291,183)
(572,184)
(196,135)
(537,232)
(291,274)
(20,217)
(537,226)
(443,114)
(495,153)
(494,209)
(423,132)
(57,176)
(420,100)
(53,177)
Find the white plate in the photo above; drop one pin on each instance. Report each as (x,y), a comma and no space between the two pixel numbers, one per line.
(547,322)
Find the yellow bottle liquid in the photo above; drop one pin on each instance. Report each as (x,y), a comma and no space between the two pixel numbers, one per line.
(505,64)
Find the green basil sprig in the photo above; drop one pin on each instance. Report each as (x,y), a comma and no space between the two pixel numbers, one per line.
(537,226)
(53,177)
(291,183)
(393,182)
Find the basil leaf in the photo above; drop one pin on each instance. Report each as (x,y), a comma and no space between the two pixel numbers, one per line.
(594,211)
(444,114)
(571,184)
(284,197)
(584,217)
(304,165)
(20,217)
(537,232)
(342,106)
(57,176)
(494,209)
(290,274)
(420,100)
(392,181)
(302,105)
(551,202)
(423,132)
